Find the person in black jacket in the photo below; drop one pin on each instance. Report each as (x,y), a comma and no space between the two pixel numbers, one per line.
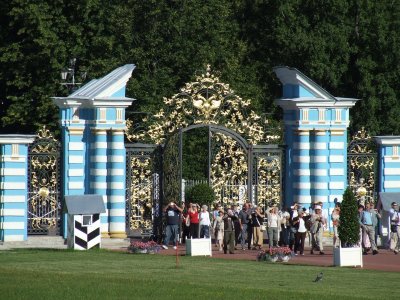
(229,231)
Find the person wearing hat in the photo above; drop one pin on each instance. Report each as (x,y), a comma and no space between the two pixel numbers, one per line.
(318,222)
(395,228)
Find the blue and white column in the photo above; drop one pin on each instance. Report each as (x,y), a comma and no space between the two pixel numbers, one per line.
(75,162)
(117,184)
(337,164)
(301,166)
(13,186)
(319,166)
(389,163)
(98,172)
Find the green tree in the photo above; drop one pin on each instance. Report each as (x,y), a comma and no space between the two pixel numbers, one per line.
(195,154)
(200,193)
(375,69)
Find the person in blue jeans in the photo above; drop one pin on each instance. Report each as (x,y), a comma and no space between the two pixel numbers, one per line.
(173,214)
(244,219)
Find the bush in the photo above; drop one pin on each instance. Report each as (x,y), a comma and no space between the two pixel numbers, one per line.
(349,226)
(201,193)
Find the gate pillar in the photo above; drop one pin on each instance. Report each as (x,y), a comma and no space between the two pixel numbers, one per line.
(13,186)
(315,168)
(92,121)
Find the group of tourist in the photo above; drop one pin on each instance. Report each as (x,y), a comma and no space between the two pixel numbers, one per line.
(234,228)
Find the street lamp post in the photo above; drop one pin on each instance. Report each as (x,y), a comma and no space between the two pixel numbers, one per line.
(68,76)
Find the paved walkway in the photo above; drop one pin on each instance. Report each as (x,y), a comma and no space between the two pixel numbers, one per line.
(384,261)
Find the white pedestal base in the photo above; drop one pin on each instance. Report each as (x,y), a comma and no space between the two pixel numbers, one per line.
(198,247)
(348,257)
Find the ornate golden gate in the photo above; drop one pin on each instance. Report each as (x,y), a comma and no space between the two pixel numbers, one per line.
(245,163)
(44,200)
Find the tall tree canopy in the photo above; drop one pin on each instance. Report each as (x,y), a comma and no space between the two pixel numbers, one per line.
(351,48)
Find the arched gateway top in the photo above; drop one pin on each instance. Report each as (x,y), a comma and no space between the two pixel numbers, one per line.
(204,102)
(226,131)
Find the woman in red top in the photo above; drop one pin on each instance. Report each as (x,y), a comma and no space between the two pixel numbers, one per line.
(193,215)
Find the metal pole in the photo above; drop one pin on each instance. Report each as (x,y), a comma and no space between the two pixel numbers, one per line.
(250,173)
(209,155)
(180,187)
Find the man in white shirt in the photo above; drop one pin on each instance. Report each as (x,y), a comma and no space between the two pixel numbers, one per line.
(205,223)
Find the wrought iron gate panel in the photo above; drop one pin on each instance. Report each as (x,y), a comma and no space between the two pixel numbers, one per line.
(229,169)
(362,166)
(44,199)
(267,175)
(143,189)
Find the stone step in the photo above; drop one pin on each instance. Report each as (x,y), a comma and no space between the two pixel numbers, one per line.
(108,243)
(52,242)
(58,242)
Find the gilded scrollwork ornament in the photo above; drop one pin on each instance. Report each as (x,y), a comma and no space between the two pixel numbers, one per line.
(361,165)
(140,192)
(43,203)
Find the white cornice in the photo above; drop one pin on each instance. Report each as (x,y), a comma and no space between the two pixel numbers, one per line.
(387,140)
(112,102)
(17,138)
(66,102)
(298,103)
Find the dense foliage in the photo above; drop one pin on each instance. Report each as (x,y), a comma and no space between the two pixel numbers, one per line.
(201,194)
(351,48)
(349,227)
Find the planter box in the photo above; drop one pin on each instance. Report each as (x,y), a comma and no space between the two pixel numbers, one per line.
(348,257)
(198,247)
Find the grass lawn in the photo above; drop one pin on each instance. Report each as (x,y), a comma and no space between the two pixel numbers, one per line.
(100,274)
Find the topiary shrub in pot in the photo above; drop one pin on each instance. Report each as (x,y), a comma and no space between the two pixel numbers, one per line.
(349,253)
(349,226)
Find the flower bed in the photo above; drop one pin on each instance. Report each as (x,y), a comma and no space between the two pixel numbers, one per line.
(274,254)
(149,247)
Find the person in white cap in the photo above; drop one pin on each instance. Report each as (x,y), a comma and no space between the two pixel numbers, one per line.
(318,222)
